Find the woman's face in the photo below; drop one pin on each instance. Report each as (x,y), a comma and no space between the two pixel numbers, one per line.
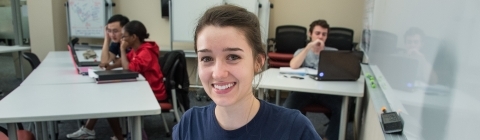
(127,37)
(225,64)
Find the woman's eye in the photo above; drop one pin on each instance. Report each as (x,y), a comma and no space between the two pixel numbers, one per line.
(233,57)
(206,59)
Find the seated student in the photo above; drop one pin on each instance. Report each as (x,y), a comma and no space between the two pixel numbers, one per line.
(110,51)
(111,43)
(230,54)
(142,58)
(308,57)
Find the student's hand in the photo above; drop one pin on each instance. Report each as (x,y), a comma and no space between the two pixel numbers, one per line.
(109,67)
(106,37)
(103,65)
(124,45)
(316,45)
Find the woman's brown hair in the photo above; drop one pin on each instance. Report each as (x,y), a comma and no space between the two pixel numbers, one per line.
(239,18)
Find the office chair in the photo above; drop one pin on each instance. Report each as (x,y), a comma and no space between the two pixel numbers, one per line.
(318,108)
(176,83)
(340,38)
(288,39)
(32,59)
(21,133)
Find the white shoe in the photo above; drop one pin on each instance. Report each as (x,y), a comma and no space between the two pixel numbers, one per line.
(81,134)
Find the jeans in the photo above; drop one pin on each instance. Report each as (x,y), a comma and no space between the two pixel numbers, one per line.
(298,100)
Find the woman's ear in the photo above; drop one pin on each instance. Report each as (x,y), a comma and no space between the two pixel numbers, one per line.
(135,36)
(259,63)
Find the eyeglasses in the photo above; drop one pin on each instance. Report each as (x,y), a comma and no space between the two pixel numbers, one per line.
(124,36)
(114,31)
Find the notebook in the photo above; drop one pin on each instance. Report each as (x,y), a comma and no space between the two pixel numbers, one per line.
(339,65)
(116,75)
(299,71)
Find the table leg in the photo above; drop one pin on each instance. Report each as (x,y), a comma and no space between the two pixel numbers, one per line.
(130,126)
(137,128)
(123,124)
(51,129)
(356,120)
(343,118)
(12,131)
(38,130)
(277,97)
(44,130)
(55,126)
(20,63)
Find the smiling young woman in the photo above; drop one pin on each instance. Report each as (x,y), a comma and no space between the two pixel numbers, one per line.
(230,54)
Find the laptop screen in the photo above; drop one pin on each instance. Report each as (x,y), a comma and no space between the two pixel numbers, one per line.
(73,54)
(339,65)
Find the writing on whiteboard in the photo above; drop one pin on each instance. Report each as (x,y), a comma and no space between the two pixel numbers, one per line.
(87,17)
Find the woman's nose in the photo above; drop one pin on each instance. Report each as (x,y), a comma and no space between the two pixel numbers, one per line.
(220,70)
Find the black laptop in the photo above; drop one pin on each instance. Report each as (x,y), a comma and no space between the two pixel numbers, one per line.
(75,58)
(339,65)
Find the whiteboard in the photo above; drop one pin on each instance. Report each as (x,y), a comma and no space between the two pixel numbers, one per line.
(185,15)
(87,18)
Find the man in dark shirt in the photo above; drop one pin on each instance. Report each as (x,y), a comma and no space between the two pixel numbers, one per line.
(111,44)
(110,52)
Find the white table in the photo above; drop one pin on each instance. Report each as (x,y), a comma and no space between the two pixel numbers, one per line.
(54,91)
(19,49)
(272,79)
(67,102)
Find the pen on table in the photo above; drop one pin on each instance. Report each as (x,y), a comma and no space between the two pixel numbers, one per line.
(293,76)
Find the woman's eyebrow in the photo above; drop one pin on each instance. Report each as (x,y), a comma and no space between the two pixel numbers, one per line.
(232,49)
(225,50)
(204,50)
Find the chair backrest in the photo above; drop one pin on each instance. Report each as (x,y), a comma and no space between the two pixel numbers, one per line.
(174,69)
(340,38)
(290,38)
(32,59)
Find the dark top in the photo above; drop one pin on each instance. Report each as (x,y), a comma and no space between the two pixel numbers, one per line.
(115,48)
(270,123)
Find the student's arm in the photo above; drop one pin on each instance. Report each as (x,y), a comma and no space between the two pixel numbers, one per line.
(105,58)
(142,61)
(116,64)
(123,57)
(298,59)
